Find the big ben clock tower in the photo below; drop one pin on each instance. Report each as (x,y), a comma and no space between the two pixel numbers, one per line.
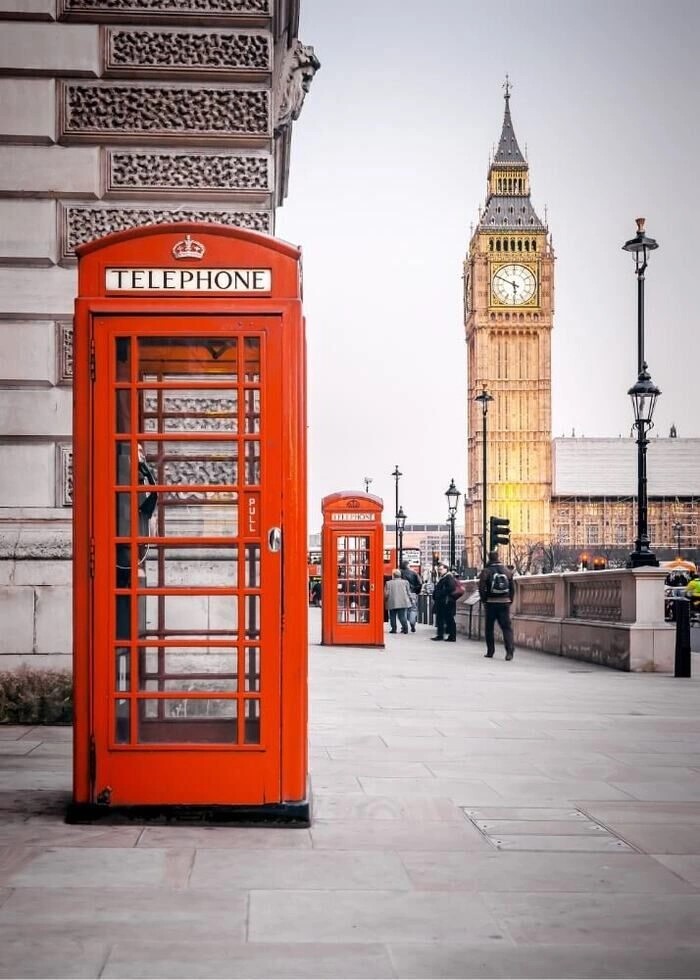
(509,306)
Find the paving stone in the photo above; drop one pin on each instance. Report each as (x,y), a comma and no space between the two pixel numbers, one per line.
(212,960)
(111,867)
(324,869)
(660,839)
(461,962)
(360,806)
(687,866)
(41,832)
(247,838)
(523,788)
(41,957)
(645,812)
(16,747)
(397,835)
(512,871)
(461,791)
(8,732)
(363,916)
(599,920)
(131,913)
(585,828)
(533,842)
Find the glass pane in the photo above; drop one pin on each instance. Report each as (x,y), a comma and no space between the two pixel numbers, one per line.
(252,721)
(122,669)
(252,617)
(252,566)
(208,518)
(182,358)
(191,615)
(123,463)
(197,410)
(186,463)
(201,720)
(252,462)
(186,666)
(252,669)
(121,722)
(191,567)
(122,351)
(252,359)
(123,409)
(252,410)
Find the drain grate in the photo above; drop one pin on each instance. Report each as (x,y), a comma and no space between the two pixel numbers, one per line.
(543,829)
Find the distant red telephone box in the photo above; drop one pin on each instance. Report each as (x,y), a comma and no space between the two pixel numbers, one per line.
(190,608)
(352,566)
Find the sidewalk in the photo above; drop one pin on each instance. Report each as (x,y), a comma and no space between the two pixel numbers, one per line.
(473,818)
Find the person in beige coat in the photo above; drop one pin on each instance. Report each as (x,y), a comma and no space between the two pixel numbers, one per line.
(397,597)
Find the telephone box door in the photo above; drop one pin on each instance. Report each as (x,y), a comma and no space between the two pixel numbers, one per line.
(187,578)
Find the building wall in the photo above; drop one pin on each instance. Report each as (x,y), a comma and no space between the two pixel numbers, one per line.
(113,114)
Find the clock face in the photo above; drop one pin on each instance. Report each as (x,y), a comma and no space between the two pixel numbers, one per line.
(513,285)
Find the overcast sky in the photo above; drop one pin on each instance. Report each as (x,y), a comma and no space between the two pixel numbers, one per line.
(389,164)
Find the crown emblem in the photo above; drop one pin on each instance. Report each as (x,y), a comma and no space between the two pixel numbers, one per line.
(188,248)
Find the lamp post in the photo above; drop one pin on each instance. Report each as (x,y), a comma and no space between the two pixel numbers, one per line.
(643,394)
(397,474)
(484,398)
(678,528)
(367,480)
(400,525)
(453,495)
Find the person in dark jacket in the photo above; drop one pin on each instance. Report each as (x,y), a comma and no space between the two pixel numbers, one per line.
(415,587)
(496,590)
(444,605)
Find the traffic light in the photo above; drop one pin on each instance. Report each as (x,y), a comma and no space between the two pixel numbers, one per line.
(499,532)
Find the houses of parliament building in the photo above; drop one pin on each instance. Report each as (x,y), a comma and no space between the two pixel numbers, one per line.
(577,493)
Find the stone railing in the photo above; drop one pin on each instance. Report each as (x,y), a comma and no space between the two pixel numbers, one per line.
(613,617)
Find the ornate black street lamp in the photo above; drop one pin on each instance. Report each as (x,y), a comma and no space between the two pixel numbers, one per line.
(453,495)
(484,398)
(367,480)
(400,525)
(397,474)
(643,394)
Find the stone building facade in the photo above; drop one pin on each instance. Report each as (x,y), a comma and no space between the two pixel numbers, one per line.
(113,114)
(567,496)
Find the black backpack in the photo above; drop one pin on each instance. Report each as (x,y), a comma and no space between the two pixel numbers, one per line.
(499,584)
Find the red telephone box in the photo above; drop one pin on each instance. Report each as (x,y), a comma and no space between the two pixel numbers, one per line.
(352,542)
(190,606)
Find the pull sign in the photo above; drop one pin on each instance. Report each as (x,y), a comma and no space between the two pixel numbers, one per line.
(274,539)
(252,514)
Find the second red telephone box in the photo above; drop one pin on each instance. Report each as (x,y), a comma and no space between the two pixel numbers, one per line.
(352,540)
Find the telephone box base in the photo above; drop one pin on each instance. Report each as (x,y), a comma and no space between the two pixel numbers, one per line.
(270,814)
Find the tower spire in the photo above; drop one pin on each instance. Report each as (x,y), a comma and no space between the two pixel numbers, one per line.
(508,149)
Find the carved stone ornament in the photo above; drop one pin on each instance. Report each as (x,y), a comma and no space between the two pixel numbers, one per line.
(83,223)
(194,172)
(198,51)
(64,348)
(64,474)
(162,9)
(299,66)
(94,110)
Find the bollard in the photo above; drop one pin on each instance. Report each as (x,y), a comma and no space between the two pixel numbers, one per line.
(682,666)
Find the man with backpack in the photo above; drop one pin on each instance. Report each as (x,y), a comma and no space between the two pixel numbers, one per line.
(496,590)
(415,587)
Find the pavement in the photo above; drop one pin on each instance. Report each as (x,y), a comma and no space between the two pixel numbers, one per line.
(473,818)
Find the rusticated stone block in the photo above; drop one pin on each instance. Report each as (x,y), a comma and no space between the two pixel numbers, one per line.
(50,171)
(199,173)
(17,122)
(27,474)
(28,232)
(215,52)
(82,223)
(53,619)
(38,293)
(43,412)
(17,617)
(96,110)
(50,49)
(215,10)
(27,353)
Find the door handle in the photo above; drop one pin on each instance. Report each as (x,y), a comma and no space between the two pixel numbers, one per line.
(274,539)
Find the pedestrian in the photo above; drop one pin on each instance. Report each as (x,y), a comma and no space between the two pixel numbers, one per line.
(496,590)
(445,604)
(397,597)
(316,593)
(415,587)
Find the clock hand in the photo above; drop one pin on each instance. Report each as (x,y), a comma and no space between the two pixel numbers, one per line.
(498,276)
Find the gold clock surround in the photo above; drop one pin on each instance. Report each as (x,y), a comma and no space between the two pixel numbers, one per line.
(521,277)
